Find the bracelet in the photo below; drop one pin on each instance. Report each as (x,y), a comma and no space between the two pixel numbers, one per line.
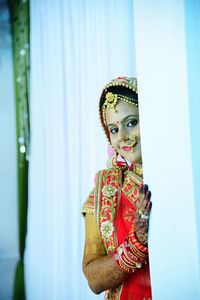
(134,241)
(128,257)
(121,264)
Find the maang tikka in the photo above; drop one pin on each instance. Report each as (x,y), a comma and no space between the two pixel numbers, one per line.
(112,100)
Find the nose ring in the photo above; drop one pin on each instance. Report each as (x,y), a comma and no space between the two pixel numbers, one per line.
(133,138)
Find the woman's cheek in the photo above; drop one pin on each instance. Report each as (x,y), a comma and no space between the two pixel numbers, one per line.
(113,144)
(136,131)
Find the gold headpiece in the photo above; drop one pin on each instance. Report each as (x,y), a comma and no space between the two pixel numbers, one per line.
(127,82)
(111,102)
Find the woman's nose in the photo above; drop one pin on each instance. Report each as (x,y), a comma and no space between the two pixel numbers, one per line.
(122,134)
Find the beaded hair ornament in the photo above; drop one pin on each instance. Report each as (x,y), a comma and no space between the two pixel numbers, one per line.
(109,98)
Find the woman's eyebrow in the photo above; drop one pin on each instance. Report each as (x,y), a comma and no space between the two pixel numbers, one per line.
(123,119)
(130,116)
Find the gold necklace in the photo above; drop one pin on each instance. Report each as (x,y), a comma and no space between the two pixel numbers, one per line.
(138,171)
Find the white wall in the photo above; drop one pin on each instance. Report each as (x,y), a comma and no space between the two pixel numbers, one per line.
(8,162)
(162,67)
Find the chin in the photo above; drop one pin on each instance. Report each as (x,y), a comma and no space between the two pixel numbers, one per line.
(135,160)
(131,159)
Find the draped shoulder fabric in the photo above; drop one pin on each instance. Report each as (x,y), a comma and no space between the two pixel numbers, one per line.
(88,206)
(113,203)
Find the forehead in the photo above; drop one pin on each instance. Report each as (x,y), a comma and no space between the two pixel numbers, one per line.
(123,110)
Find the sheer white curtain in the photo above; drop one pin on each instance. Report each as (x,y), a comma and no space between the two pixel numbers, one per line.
(76,47)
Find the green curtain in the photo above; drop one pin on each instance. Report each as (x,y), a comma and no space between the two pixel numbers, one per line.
(20,24)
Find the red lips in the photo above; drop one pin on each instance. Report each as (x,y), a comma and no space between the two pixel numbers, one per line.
(127,148)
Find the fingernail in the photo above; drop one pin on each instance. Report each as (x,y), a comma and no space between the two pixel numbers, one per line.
(145,188)
(149,195)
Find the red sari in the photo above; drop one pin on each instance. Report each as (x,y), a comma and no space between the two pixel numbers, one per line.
(113,203)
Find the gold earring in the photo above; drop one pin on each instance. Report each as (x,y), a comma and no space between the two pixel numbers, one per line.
(112,160)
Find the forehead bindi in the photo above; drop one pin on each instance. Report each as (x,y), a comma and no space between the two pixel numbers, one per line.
(123,111)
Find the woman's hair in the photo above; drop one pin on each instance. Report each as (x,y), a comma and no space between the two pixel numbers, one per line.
(124,88)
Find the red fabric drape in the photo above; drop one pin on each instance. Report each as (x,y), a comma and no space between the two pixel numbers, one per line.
(137,286)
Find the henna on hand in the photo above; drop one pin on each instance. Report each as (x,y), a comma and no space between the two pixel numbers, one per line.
(103,273)
(100,269)
(143,209)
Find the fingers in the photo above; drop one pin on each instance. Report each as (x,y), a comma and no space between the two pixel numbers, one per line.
(143,208)
(144,189)
(148,195)
(144,192)
(148,204)
(144,197)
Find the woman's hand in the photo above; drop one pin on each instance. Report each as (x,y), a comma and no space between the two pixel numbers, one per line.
(143,209)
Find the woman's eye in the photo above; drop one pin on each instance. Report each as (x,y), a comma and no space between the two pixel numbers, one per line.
(114,130)
(132,123)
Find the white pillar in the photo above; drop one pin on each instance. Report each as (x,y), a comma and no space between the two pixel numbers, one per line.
(164,71)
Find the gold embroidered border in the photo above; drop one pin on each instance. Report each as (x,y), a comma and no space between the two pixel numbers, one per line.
(107,196)
(131,187)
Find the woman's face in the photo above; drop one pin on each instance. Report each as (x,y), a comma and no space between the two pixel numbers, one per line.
(123,125)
